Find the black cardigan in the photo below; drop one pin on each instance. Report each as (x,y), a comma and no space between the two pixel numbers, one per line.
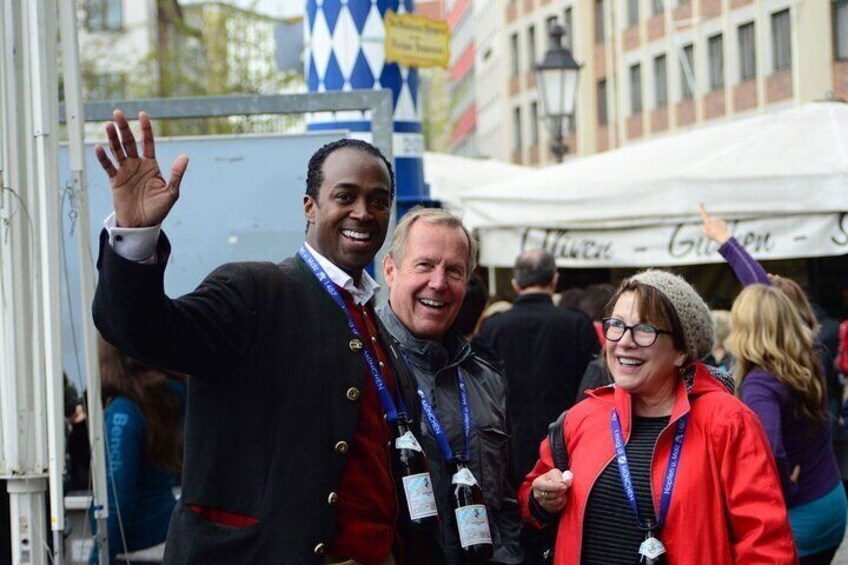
(271,368)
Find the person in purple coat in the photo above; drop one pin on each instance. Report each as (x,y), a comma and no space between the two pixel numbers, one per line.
(804,450)
(780,378)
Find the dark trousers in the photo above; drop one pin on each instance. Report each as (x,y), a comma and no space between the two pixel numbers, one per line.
(823,558)
(536,542)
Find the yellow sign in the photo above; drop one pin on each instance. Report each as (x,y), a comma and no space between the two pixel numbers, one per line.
(416,41)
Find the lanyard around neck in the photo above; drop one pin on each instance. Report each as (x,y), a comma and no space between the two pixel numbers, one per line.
(670,472)
(436,426)
(331,288)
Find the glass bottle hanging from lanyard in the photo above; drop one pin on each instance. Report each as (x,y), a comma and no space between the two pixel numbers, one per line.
(417,486)
(652,550)
(469,505)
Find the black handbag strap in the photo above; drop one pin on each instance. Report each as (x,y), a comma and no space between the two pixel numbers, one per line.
(557,442)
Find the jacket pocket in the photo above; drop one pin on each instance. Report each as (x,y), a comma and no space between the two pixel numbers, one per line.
(493,464)
(199,540)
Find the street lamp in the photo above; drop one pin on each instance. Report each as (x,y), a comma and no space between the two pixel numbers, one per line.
(556,76)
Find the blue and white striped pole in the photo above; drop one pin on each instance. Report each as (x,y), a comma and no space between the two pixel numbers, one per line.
(344,41)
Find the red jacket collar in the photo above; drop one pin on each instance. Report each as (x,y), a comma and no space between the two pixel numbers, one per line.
(702,383)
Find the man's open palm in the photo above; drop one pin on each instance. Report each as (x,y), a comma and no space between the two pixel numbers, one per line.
(140,194)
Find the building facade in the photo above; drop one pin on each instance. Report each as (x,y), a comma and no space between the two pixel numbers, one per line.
(526,33)
(166,48)
(112,34)
(462,78)
(651,67)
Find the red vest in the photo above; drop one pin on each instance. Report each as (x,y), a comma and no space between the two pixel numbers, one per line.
(367,507)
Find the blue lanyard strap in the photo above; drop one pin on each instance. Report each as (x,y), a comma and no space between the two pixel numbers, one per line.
(401,368)
(436,426)
(382,390)
(670,472)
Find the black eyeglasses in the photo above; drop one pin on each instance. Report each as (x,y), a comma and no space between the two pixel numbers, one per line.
(644,335)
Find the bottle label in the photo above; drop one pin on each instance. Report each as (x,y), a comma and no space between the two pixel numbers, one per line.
(419,496)
(473,524)
(407,441)
(464,476)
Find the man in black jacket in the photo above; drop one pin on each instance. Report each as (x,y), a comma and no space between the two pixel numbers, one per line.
(544,349)
(287,456)
(427,270)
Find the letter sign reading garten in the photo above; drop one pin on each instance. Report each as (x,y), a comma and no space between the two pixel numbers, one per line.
(669,244)
(416,41)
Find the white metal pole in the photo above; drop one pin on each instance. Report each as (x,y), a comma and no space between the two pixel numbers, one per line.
(26,505)
(76,142)
(42,20)
(20,401)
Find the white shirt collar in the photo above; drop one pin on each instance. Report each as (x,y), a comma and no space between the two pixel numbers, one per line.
(361,294)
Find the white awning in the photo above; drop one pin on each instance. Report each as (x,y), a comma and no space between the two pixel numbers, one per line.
(782,179)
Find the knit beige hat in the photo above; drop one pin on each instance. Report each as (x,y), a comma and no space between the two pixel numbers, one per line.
(691,310)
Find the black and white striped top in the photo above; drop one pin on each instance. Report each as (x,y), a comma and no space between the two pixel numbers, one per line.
(610,534)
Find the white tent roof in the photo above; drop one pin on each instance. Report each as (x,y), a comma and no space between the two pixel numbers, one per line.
(788,166)
(450,176)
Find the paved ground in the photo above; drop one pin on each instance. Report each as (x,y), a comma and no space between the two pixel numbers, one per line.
(842,555)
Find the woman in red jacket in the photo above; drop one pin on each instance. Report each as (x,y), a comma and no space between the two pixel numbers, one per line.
(666,460)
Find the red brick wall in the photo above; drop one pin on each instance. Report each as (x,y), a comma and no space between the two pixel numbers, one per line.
(602,143)
(600,61)
(456,12)
(631,37)
(685,112)
(533,158)
(779,86)
(745,96)
(464,125)
(634,126)
(710,8)
(840,80)
(514,86)
(659,119)
(682,12)
(656,27)
(714,104)
(511,11)
(432,9)
(571,143)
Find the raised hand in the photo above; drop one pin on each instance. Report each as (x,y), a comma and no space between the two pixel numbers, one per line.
(140,194)
(550,489)
(714,228)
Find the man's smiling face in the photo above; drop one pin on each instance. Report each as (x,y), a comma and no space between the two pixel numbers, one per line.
(349,219)
(427,284)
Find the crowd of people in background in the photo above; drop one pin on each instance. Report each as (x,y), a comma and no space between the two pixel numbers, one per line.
(679,431)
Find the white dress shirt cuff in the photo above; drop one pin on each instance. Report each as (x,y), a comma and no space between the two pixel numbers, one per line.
(135,244)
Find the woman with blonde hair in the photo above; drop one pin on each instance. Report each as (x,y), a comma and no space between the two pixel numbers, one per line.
(780,378)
